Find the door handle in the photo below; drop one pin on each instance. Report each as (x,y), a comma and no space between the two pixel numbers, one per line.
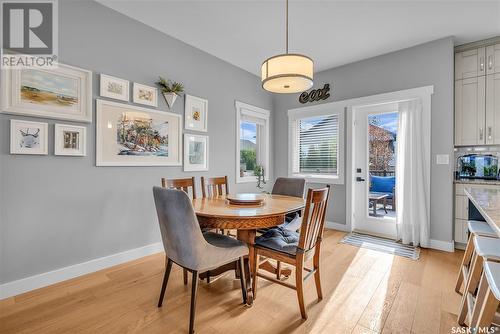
(490,62)
(359,179)
(481,64)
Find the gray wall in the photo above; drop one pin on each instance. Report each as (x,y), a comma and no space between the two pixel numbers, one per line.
(59,211)
(426,64)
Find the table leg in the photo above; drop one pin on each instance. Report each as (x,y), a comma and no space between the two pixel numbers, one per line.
(385,204)
(375,202)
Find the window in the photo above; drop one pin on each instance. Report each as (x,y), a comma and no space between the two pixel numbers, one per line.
(252,142)
(316,143)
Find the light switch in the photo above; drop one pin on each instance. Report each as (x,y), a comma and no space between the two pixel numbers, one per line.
(442,159)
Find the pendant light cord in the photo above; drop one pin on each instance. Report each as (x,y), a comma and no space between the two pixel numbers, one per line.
(286,23)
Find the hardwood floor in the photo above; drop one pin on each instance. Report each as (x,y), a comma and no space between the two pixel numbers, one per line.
(364,291)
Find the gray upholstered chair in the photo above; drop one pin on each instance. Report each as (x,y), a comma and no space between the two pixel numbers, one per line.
(186,246)
(289,186)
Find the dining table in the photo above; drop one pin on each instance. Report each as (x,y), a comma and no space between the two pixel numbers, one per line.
(246,219)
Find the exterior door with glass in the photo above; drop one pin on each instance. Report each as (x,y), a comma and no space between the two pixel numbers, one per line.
(374,162)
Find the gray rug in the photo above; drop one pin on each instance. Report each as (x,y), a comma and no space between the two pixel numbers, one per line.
(382,245)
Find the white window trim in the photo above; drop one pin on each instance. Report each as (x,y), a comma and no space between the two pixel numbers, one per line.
(315,111)
(244,109)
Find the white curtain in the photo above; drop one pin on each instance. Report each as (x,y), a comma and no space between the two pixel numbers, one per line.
(412,198)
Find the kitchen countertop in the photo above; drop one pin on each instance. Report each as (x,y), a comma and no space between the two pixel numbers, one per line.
(487,202)
(477,181)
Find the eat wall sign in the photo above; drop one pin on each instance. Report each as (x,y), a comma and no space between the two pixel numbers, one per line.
(315,94)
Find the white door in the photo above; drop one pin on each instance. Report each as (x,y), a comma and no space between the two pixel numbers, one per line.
(374,147)
(470,111)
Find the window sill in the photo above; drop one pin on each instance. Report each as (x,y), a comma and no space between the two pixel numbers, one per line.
(311,178)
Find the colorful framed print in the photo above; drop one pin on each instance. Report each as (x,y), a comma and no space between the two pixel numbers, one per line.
(114,88)
(64,93)
(196,113)
(70,140)
(128,135)
(195,152)
(146,95)
(28,137)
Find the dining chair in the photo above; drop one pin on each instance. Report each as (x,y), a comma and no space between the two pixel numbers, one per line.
(184,185)
(296,248)
(214,187)
(186,246)
(288,186)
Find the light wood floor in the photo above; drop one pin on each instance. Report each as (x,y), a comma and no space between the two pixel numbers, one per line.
(364,292)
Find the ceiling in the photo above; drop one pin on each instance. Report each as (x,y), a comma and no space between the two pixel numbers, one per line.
(333,33)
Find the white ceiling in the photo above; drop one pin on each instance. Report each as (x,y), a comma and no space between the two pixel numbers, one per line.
(333,33)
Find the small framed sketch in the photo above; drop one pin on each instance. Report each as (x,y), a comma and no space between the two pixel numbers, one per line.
(114,88)
(146,95)
(28,137)
(196,113)
(64,93)
(70,140)
(195,152)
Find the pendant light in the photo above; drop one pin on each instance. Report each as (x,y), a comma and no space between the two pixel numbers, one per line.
(288,72)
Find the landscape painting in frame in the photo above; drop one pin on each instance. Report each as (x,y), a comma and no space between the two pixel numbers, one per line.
(195,152)
(64,93)
(129,135)
(114,88)
(28,137)
(146,95)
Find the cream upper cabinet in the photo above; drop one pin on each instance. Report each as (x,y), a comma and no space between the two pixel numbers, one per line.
(471,63)
(470,96)
(493,109)
(493,59)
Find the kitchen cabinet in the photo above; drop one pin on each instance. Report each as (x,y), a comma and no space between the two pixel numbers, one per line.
(470,111)
(493,59)
(493,109)
(470,64)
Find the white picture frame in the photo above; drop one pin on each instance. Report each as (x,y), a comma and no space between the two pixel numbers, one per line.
(64,92)
(118,145)
(196,113)
(145,95)
(196,152)
(70,140)
(28,137)
(114,88)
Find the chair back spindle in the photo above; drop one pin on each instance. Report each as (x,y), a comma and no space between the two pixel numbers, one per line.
(314,218)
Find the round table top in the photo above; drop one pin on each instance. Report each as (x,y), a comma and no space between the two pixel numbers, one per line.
(273,205)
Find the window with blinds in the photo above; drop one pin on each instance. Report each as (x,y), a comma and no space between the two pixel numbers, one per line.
(317,145)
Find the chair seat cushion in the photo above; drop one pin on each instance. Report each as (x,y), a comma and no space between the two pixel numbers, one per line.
(221,240)
(489,248)
(480,228)
(279,239)
(492,272)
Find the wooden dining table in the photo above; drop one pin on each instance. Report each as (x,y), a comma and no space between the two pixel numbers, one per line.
(218,213)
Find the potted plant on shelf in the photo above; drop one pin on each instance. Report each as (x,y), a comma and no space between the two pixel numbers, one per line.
(170,90)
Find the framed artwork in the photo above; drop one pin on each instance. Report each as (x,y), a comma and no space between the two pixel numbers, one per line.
(195,152)
(28,137)
(70,140)
(64,93)
(114,88)
(128,135)
(196,113)
(146,95)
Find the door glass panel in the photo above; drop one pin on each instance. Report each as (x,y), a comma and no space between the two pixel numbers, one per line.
(382,139)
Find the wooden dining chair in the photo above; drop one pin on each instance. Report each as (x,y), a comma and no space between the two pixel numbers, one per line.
(214,187)
(180,184)
(184,185)
(296,248)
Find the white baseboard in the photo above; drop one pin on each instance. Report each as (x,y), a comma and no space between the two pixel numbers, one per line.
(447,246)
(337,226)
(38,281)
